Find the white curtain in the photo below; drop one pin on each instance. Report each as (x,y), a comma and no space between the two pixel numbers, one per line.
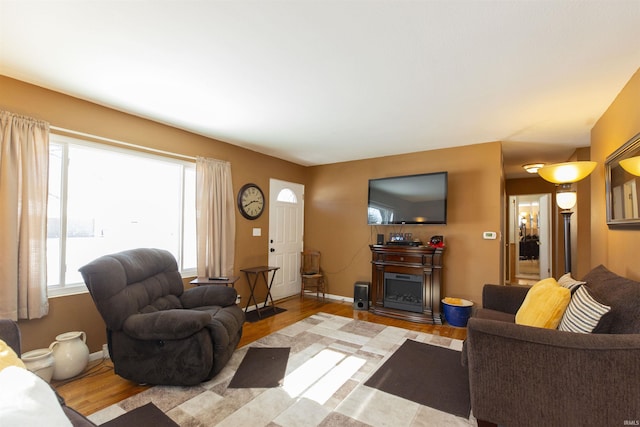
(24,175)
(215,218)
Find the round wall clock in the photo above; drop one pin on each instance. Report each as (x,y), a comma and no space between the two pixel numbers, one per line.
(250,201)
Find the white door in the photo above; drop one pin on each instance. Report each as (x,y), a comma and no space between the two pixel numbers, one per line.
(286,225)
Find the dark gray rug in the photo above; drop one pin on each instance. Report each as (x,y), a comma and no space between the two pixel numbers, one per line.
(252,316)
(145,416)
(262,367)
(426,374)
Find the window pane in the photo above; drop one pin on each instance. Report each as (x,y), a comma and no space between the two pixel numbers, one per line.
(189,260)
(287,196)
(53,214)
(104,200)
(118,201)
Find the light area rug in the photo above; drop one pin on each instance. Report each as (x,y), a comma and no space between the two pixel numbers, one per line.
(330,360)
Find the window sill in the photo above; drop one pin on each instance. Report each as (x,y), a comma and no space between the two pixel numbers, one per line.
(81,288)
(69,290)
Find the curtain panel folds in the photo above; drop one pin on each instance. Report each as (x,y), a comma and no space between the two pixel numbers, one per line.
(215,218)
(24,175)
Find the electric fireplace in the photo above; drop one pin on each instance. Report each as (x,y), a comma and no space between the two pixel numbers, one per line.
(406,282)
(403,291)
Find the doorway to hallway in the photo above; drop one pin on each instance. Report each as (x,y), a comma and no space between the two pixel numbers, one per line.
(529,248)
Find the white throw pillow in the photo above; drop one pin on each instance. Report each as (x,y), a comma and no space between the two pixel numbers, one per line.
(27,400)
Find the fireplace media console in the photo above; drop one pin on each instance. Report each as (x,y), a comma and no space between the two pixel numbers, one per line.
(406,282)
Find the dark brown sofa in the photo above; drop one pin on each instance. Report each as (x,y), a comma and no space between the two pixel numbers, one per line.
(527,376)
(10,333)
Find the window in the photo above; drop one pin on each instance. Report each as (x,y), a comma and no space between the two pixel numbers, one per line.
(104,200)
(287,196)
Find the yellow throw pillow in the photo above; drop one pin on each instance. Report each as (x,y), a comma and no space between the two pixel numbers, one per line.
(544,305)
(8,357)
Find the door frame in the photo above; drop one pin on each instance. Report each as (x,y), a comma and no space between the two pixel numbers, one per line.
(544,201)
(287,279)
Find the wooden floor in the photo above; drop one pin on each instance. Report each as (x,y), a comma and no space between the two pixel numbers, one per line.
(99,387)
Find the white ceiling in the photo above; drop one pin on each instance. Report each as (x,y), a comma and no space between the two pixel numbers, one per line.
(325,81)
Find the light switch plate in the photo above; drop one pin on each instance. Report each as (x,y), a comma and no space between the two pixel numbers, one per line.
(257,231)
(489,235)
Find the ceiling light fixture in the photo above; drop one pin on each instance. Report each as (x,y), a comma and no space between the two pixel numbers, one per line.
(533,167)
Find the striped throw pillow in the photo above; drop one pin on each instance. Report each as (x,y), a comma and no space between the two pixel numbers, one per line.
(570,283)
(583,313)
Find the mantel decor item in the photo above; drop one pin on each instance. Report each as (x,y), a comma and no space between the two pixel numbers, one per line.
(621,172)
(436,241)
(70,353)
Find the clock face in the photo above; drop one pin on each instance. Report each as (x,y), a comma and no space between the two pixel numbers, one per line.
(251,201)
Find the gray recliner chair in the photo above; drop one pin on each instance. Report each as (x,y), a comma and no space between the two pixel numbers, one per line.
(158,332)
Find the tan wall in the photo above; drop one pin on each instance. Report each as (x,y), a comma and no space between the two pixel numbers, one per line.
(336,216)
(617,249)
(78,312)
(581,222)
(335,204)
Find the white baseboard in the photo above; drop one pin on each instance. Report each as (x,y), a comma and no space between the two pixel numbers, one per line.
(95,356)
(99,355)
(339,298)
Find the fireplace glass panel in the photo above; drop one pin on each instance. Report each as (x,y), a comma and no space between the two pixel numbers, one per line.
(403,292)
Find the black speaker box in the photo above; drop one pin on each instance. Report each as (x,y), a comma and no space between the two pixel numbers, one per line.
(380,240)
(361,296)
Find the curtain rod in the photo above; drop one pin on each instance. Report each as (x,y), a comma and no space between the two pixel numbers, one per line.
(121,143)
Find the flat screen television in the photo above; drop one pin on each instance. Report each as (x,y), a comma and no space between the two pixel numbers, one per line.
(411,199)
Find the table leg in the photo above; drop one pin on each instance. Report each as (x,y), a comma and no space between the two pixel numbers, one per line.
(252,288)
(269,284)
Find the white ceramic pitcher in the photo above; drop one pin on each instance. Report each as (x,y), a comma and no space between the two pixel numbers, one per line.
(70,353)
(40,362)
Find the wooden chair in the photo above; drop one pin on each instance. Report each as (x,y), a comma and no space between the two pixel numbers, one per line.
(312,277)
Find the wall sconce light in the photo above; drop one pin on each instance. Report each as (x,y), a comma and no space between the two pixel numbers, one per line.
(532,167)
(631,165)
(564,174)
